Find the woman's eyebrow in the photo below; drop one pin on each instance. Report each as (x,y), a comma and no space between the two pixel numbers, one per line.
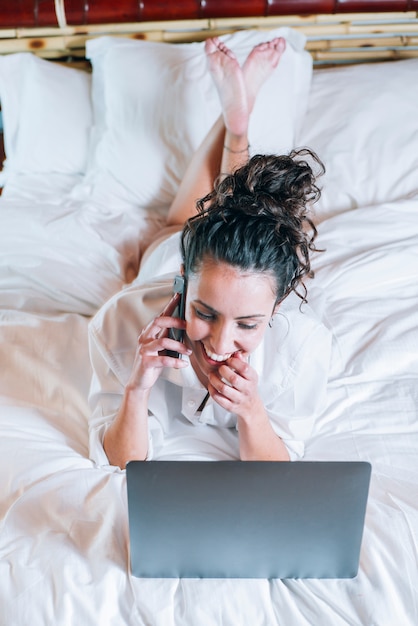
(241,317)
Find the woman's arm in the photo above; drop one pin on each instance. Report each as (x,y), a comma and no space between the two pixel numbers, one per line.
(257,439)
(235,387)
(126,438)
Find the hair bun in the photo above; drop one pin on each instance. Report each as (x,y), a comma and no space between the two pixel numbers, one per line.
(258,217)
(272,185)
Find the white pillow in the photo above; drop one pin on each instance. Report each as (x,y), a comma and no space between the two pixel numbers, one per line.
(47,117)
(11,71)
(362,121)
(154,103)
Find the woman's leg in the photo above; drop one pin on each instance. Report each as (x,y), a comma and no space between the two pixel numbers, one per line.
(225,147)
(205,165)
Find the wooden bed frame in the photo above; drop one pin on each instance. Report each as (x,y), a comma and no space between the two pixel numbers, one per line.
(337,31)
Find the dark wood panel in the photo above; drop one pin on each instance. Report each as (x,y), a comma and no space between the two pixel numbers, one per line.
(38,13)
(302,7)
(233,8)
(354,6)
(27,13)
(101,12)
(180,10)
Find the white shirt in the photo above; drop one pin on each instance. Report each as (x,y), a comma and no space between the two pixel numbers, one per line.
(292,364)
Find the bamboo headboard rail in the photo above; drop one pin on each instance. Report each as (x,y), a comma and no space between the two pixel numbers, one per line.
(331,38)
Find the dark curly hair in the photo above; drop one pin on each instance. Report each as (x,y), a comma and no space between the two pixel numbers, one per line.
(257,219)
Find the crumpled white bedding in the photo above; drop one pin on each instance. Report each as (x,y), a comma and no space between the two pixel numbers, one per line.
(64,555)
(68,257)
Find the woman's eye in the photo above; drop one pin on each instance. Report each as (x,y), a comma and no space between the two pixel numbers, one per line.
(248,326)
(204,316)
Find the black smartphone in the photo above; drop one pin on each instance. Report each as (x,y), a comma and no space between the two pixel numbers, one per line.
(179,286)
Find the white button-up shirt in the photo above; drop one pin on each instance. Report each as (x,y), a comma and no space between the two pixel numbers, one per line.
(292,363)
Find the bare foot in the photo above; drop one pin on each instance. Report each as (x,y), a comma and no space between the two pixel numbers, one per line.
(259,65)
(229,81)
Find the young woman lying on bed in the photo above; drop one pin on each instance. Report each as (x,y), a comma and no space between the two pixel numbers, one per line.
(254,358)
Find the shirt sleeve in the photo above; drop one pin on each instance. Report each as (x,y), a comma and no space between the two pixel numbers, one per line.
(301,396)
(113,336)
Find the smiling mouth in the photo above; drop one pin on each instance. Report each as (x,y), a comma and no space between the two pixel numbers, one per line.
(216,358)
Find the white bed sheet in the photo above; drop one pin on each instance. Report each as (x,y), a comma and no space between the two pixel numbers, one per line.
(68,256)
(64,555)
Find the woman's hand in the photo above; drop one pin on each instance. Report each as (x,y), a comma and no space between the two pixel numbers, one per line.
(234,386)
(153,342)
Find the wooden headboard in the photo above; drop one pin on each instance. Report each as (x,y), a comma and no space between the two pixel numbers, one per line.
(38,13)
(338,31)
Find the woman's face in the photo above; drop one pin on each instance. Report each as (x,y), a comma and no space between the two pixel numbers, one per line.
(227,311)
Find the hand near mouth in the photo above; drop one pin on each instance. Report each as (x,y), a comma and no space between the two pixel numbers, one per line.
(234,386)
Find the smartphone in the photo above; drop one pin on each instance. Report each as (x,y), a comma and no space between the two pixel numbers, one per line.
(179,286)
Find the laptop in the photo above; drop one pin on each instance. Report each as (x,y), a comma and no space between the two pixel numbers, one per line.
(246,519)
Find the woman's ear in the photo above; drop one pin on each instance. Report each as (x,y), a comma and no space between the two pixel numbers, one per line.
(182,269)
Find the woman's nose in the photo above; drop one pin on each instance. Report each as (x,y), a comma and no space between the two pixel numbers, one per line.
(222,339)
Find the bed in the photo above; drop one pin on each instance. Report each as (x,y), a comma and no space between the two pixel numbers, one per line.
(93,159)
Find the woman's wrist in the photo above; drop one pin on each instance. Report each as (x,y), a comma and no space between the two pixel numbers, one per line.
(134,408)
(136,394)
(255,416)
(258,440)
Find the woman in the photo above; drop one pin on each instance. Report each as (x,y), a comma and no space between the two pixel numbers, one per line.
(244,251)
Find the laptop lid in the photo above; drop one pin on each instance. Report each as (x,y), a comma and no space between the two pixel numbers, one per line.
(236,519)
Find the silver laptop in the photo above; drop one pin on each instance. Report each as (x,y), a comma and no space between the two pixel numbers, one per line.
(235,519)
